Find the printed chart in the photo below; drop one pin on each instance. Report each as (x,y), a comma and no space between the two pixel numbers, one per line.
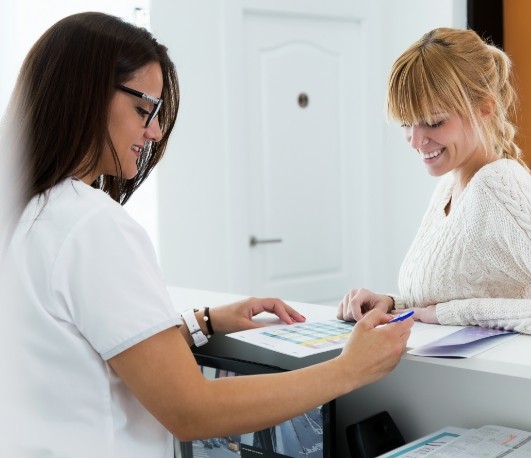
(302,339)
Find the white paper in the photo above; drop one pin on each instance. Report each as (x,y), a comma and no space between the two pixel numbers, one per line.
(423,333)
(466,342)
(427,444)
(488,442)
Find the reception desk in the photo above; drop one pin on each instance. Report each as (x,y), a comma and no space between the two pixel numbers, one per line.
(421,394)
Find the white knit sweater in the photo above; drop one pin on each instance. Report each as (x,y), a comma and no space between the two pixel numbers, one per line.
(475,263)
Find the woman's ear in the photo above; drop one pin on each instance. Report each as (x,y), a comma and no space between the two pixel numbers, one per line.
(487,108)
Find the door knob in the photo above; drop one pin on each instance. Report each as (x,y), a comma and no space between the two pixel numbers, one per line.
(254,241)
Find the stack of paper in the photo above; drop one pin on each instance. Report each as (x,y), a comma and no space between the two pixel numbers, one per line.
(489,441)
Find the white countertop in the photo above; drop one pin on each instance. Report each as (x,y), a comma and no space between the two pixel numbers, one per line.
(510,358)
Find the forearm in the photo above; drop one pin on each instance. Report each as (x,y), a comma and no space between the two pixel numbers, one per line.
(249,403)
(163,374)
(257,402)
(510,314)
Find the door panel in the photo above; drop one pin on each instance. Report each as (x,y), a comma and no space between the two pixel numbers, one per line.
(301,132)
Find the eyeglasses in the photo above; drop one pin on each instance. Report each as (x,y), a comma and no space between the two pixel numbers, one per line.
(154,100)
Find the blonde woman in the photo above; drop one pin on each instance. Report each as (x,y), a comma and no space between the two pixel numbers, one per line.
(470,263)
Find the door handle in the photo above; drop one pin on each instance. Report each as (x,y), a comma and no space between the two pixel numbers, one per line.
(254,241)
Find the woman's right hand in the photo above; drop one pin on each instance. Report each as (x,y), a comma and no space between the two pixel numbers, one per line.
(373,350)
(357,302)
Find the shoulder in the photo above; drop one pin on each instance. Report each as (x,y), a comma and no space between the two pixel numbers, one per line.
(75,193)
(507,185)
(73,210)
(506,180)
(73,203)
(504,175)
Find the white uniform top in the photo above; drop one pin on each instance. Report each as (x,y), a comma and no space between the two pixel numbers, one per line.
(91,288)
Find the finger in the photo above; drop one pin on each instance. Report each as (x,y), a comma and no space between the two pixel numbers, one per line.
(416,316)
(348,314)
(342,308)
(374,318)
(286,313)
(355,309)
(403,328)
(294,314)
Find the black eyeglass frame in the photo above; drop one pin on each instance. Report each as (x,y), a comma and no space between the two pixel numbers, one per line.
(150,98)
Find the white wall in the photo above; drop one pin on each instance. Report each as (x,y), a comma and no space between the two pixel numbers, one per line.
(194,234)
(193,185)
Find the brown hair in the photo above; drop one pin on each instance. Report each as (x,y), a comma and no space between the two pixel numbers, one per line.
(456,71)
(58,114)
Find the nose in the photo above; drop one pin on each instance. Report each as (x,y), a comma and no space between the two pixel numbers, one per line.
(416,137)
(153,131)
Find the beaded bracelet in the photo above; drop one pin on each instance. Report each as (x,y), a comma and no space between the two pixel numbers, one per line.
(208,320)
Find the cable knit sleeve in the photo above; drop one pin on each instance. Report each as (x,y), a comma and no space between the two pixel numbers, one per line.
(508,314)
(501,245)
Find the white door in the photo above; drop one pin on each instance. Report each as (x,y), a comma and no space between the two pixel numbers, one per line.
(303,138)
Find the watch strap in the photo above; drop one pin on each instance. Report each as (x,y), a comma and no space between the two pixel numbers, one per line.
(197,334)
(398,302)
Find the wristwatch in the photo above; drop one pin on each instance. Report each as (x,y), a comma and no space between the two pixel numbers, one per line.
(398,302)
(193,326)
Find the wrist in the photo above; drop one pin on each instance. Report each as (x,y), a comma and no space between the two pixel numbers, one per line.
(205,321)
(347,376)
(396,303)
(197,326)
(339,370)
(208,321)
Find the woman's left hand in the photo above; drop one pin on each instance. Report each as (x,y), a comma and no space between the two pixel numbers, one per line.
(424,314)
(238,316)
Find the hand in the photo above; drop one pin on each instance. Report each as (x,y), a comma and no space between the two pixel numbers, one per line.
(357,302)
(238,316)
(425,314)
(372,351)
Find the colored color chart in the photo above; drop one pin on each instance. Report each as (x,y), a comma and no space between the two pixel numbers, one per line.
(299,340)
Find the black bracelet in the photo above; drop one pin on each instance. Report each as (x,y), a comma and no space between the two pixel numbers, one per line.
(208,321)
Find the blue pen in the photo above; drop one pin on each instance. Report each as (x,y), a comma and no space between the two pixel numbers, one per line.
(402,316)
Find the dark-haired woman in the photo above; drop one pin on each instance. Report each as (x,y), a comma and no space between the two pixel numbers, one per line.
(101,363)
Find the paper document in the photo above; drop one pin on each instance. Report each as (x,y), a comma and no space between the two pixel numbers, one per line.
(466,342)
(300,339)
(427,444)
(488,442)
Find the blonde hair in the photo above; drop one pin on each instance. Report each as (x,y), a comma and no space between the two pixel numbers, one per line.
(455,71)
